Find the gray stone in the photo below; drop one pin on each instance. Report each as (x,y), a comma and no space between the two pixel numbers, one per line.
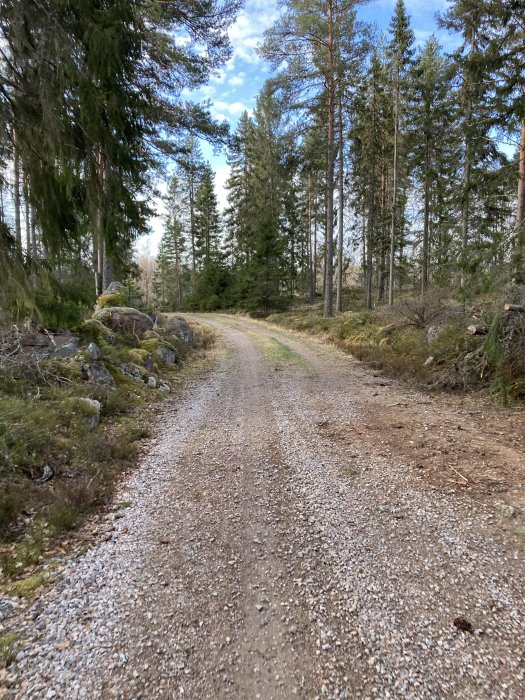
(92,411)
(177,326)
(152,382)
(68,349)
(433,333)
(113,288)
(164,389)
(429,361)
(167,356)
(124,320)
(93,351)
(98,373)
(131,371)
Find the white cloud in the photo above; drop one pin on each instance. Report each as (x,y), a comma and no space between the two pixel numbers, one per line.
(237,80)
(233,108)
(249,28)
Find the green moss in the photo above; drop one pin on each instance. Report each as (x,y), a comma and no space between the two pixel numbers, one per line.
(26,587)
(92,330)
(151,345)
(120,298)
(139,356)
(8,645)
(151,335)
(76,404)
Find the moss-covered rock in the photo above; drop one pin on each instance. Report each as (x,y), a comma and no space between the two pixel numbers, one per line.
(124,320)
(118,299)
(141,357)
(95,331)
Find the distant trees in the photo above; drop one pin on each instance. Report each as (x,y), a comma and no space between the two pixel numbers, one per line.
(397,149)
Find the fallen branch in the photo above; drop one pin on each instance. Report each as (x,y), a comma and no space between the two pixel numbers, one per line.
(519,308)
(460,475)
(477,330)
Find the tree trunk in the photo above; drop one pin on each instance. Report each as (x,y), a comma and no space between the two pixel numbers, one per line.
(520,210)
(394,197)
(315,249)
(477,330)
(34,235)
(520,308)
(328,300)
(107,271)
(339,298)
(16,191)
(311,273)
(99,268)
(425,249)
(27,218)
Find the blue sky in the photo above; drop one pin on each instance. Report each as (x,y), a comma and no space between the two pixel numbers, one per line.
(236,86)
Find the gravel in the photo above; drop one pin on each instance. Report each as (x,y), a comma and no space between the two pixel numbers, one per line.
(262,558)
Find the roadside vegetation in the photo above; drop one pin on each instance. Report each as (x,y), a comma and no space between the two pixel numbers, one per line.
(431,339)
(67,437)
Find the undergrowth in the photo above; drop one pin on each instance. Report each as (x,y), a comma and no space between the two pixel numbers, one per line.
(426,339)
(45,429)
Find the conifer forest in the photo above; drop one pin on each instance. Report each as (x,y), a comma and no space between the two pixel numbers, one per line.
(369,162)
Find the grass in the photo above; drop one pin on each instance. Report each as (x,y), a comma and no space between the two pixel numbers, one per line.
(8,645)
(43,423)
(390,342)
(275,351)
(27,587)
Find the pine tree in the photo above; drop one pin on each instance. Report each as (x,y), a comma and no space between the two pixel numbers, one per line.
(434,152)
(400,52)
(207,223)
(309,43)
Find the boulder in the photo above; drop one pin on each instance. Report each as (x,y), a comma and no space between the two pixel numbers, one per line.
(98,373)
(93,351)
(151,383)
(131,371)
(91,411)
(169,357)
(124,320)
(177,326)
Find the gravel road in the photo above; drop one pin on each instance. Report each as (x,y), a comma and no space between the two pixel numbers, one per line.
(274,547)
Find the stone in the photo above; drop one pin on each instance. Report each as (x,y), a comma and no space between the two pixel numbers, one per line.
(131,371)
(47,475)
(93,351)
(429,361)
(177,326)
(508,511)
(169,357)
(113,288)
(92,409)
(124,320)
(433,333)
(67,350)
(164,389)
(152,382)
(98,373)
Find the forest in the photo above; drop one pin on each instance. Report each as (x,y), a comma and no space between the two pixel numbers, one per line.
(368,163)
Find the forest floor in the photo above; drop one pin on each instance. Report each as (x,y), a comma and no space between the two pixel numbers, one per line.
(299,527)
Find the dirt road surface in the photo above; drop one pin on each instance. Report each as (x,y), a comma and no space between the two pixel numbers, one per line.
(299,528)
